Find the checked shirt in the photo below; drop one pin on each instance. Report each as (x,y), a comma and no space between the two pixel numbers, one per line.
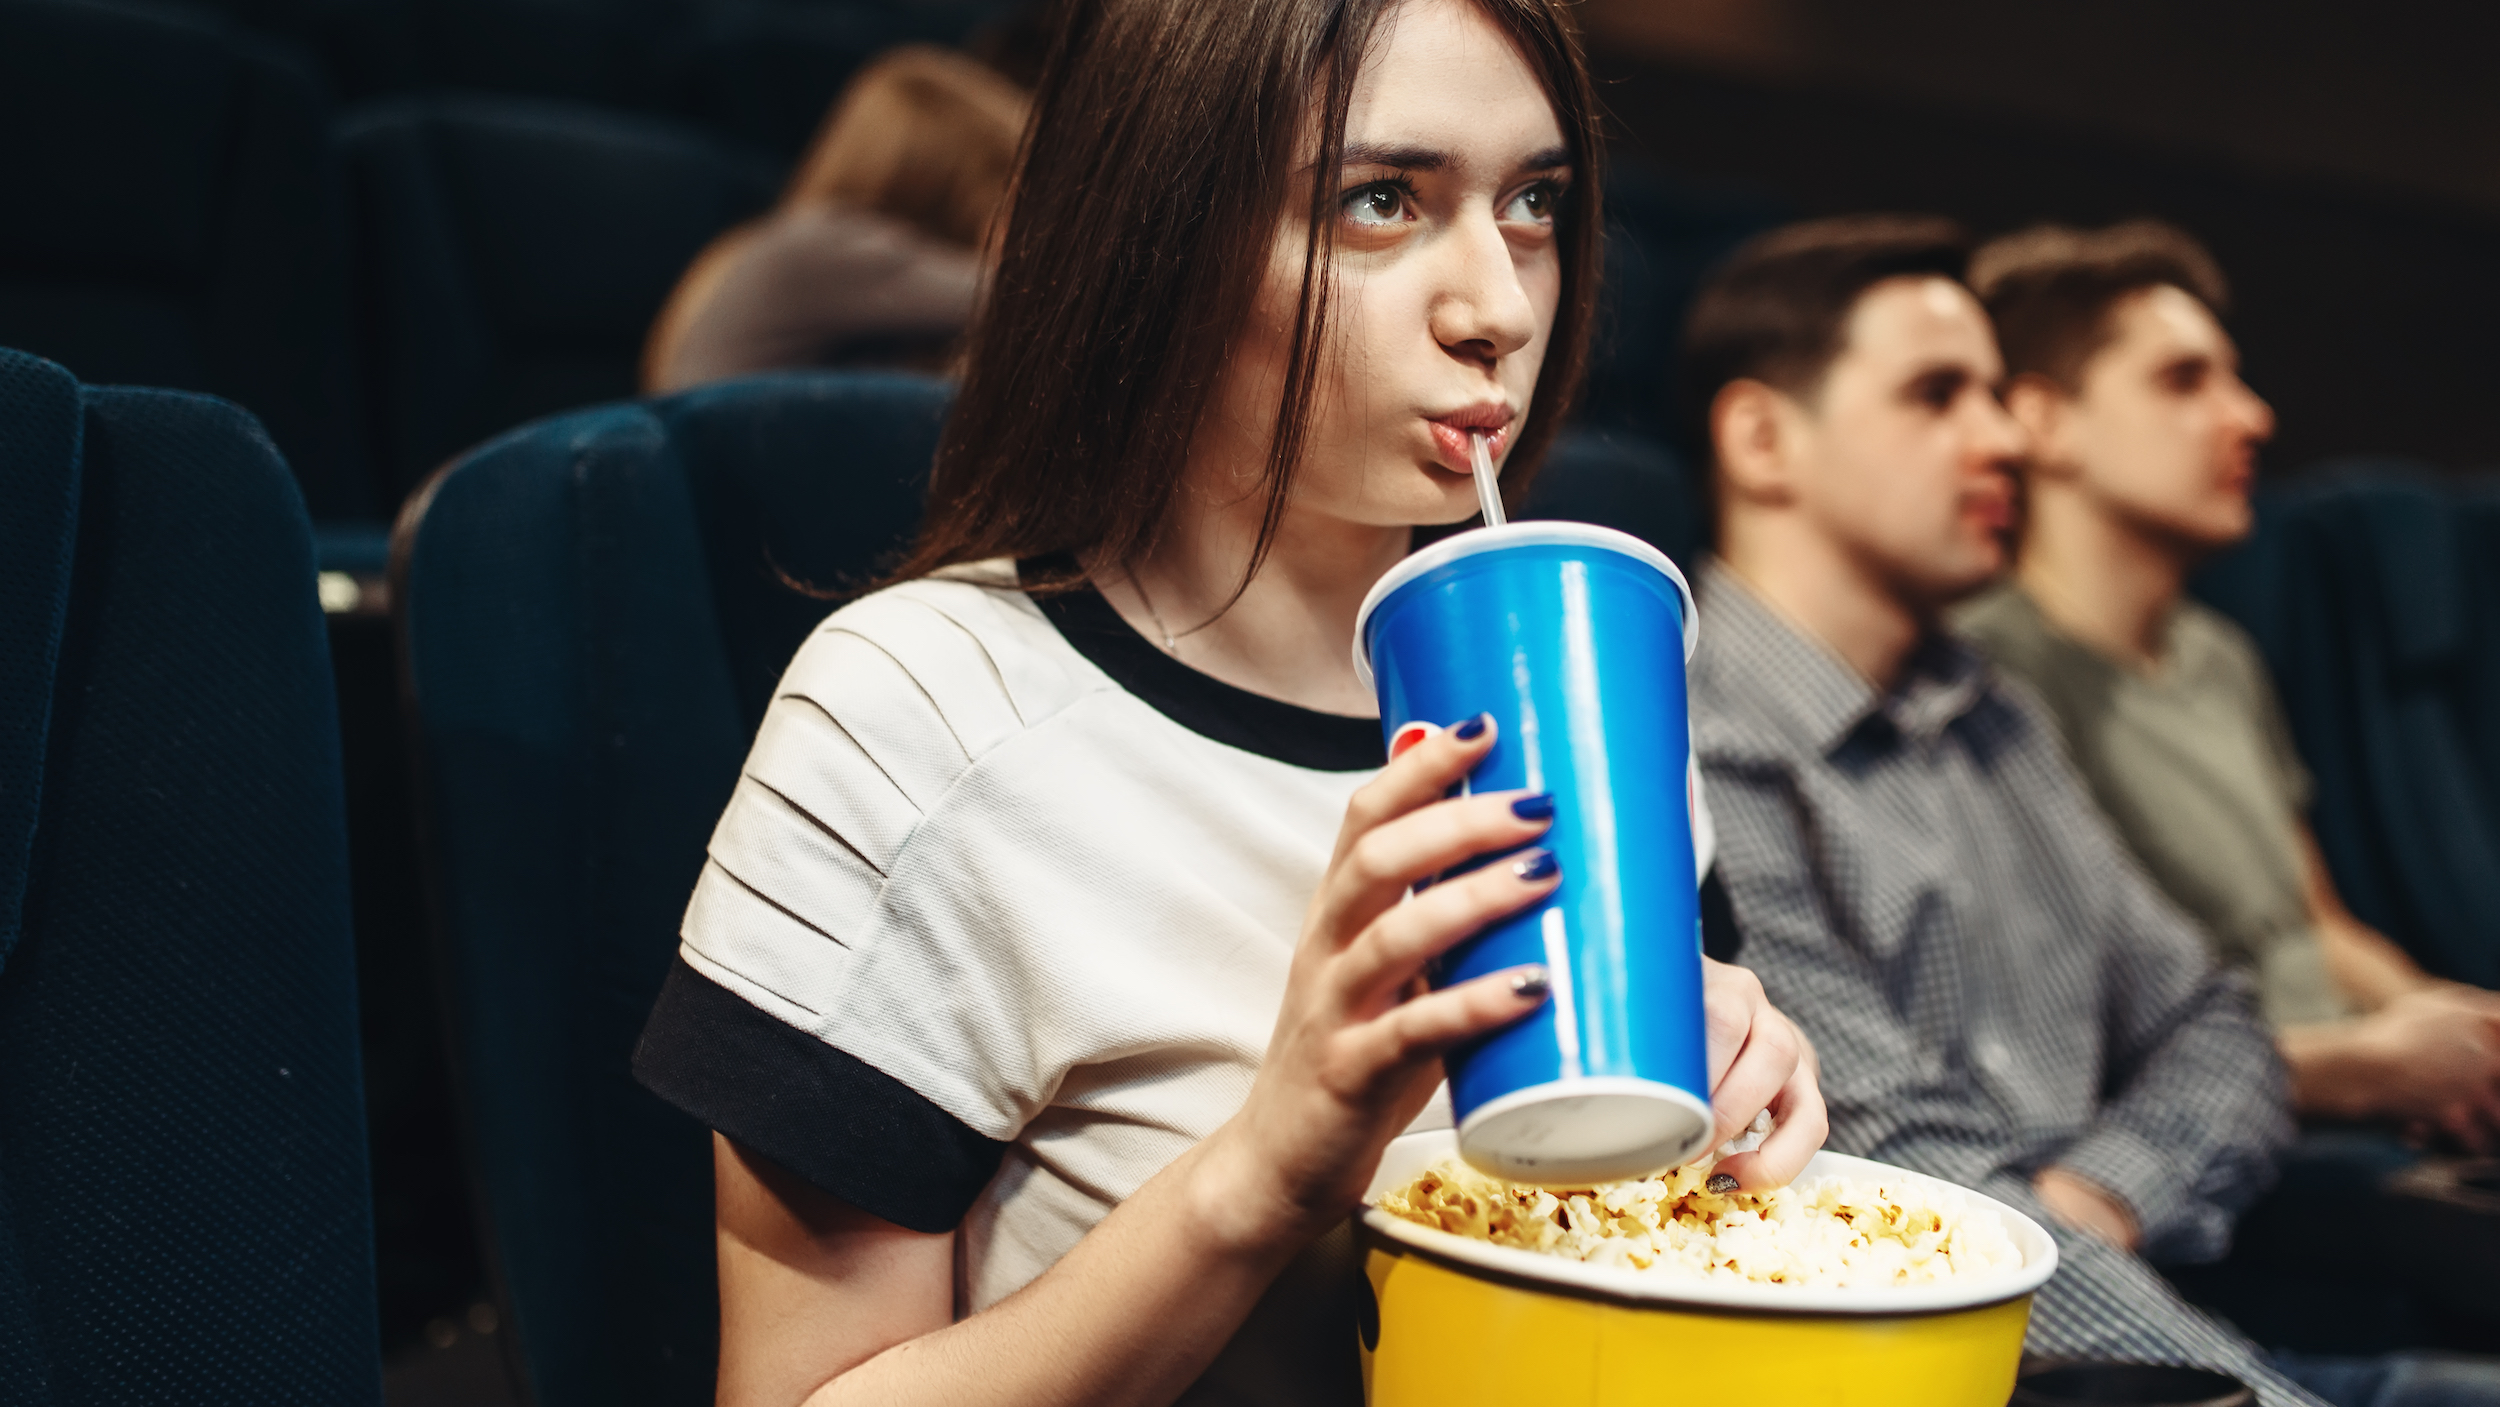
(1992,985)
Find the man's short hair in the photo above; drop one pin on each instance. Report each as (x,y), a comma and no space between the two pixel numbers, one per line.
(1777,309)
(2050,288)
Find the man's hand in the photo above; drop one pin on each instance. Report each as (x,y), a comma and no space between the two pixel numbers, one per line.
(2458,995)
(2439,1049)
(2084,1207)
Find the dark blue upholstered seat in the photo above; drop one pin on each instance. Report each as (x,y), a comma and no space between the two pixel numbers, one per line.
(512,254)
(1618,479)
(2479,552)
(184,1214)
(594,618)
(172,219)
(755,71)
(764,72)
(1662,236)
(2359,590)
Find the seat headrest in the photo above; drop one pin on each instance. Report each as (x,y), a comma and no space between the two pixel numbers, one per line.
(41,426)
(813,477)
(2406,525)
(1618,479)
(570,224)
(121,122)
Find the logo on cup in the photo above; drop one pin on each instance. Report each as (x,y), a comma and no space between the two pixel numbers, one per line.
(1408,737)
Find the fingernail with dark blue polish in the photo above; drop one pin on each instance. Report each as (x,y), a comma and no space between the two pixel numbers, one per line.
(1539,807)
(1535,865)
(1474,727)
(1531,983)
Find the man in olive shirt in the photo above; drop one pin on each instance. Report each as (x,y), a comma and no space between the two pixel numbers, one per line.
(2144,443)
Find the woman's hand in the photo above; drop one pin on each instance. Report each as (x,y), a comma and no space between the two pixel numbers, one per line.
(1357,1047)
(1759,1060)
(818,1294)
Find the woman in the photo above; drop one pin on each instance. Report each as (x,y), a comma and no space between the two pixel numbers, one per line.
(873,255)
(1050,987)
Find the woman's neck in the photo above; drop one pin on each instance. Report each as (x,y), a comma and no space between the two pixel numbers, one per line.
(1291,634)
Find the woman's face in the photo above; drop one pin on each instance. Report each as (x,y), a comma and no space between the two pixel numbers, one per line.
(1447,276)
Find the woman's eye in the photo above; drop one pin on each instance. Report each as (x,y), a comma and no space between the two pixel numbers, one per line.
(1376,205)
(1535,205)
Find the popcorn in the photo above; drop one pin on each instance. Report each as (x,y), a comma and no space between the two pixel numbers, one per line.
(1839,1233)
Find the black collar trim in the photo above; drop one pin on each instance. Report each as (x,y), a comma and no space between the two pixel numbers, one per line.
(1202,703)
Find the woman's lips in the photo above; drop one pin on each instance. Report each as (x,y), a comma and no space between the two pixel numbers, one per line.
(1451,434)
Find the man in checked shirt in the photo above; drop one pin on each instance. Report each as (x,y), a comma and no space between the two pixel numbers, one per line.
(1998,996)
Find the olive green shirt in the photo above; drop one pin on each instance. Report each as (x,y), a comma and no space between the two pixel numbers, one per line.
(2195,767)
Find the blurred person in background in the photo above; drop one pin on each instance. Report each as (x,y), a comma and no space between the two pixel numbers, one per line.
(1997,995)
(2144,445)
(2143,448)
(873,255)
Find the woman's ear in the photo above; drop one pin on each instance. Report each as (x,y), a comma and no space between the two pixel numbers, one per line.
(2046,412)
(1752,434)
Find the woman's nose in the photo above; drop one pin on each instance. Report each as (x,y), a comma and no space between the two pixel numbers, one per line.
(1482,312)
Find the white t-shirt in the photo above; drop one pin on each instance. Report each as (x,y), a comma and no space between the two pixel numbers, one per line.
(996,926)
(1043,910)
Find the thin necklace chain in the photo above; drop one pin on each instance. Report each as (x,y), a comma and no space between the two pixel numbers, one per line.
(1171,646)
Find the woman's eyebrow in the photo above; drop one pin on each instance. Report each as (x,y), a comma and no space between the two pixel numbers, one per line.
(1419,158)
(1404,158)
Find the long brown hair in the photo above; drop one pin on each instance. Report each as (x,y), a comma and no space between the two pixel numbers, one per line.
(1146,201)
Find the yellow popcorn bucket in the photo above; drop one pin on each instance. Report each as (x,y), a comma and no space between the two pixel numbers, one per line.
(1455,1321)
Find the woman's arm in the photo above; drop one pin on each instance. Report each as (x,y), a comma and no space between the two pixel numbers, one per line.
(1144,1302)
(824,1304)
(810,1286)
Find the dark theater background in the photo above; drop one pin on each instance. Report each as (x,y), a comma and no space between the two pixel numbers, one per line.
(394,230)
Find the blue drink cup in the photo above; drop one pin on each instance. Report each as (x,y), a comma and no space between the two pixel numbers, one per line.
(1574,638)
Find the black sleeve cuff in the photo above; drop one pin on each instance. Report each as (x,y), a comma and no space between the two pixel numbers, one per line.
(1720,938)
(826,1115)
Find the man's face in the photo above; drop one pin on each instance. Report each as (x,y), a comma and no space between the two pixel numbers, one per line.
(1904,458)
(2162,431)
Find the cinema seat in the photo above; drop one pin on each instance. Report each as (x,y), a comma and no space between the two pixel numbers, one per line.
(2360,593)
(764,72)
(1618,479)
(760,72)
(172,220)
(184,1213)
(593,616)
(511,256)
(2479,544)
(1662,237)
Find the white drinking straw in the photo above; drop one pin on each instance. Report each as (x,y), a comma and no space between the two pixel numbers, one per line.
(1488,488)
